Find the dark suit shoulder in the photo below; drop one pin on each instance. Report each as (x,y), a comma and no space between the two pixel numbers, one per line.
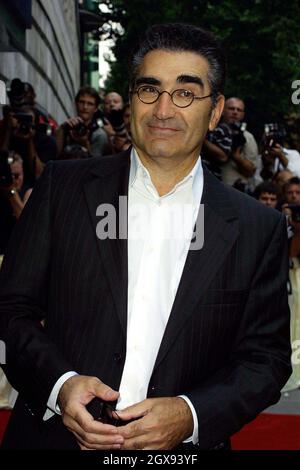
(245,204)
(95,165)
(230,202)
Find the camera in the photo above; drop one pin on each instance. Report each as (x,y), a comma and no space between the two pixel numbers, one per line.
(80,129)
(274,134)
(237,135)
(25,121)
(44,128)
(295,208)
(102,411)
(6,178)
(115,117)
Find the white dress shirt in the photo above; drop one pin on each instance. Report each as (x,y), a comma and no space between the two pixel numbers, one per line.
(160,229)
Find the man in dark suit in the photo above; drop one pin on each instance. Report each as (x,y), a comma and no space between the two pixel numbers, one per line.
(186,334)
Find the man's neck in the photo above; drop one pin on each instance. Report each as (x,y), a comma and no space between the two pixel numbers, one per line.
(165,174)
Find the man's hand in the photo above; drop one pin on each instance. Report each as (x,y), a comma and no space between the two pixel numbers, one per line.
(73,397)
(73,122)
(71,125)
(160,423)
(10,122)
(277,152)
(286,210)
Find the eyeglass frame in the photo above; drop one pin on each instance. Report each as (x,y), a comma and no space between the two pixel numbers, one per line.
(170,94)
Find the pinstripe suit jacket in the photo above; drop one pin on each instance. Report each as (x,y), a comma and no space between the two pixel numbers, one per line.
(226,344)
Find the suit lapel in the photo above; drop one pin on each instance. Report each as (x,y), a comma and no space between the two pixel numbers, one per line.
(220,234)
(109,180)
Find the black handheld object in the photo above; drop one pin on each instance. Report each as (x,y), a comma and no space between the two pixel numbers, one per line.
(115,117)
(274,135)
(237,135)
(102,411)
(295,208)
(25,121)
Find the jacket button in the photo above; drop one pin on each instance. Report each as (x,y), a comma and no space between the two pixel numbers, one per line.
(117,357)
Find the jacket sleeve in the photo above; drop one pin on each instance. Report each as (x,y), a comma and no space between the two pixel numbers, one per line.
(33,363)
(260,362)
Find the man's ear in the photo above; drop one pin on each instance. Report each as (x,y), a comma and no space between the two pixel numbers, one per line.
(216,112)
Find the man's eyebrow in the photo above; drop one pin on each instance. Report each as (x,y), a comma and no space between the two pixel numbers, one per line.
(147,81)
(190,79)
(180,79)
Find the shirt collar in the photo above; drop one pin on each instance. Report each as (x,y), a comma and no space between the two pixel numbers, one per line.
(138,171)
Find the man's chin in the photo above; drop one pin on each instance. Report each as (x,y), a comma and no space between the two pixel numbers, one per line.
(161,148)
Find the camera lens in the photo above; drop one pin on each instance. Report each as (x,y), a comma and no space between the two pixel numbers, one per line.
(80,129)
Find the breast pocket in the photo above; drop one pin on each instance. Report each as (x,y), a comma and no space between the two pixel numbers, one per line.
(224,297)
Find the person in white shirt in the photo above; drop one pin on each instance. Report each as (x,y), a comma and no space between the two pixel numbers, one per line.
(129,292)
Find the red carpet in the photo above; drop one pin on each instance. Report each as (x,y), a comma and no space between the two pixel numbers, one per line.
(266,432)
(4,417)
(269,432)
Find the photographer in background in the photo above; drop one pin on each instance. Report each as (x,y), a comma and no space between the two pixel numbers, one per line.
(291,208)
(243,158)
(115,126)
(13,193)
(20,131)
(83,132)
(23,94)
(275,156)
(122,141)
(216,148)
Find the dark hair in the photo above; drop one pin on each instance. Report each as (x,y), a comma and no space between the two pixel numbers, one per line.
(266,187)
(88,90)
(180,37)
(294,180)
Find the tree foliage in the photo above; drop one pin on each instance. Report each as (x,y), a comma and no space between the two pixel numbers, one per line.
(261,39)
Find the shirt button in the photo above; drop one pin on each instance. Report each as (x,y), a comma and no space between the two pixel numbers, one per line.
(117,357)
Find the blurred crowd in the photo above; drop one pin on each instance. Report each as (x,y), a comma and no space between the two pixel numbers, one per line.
(30,137)
(268,170)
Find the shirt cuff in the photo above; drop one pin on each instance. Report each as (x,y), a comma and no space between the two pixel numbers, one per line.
(52,406)
(194,438)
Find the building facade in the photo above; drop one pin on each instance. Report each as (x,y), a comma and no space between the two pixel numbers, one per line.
(40,44)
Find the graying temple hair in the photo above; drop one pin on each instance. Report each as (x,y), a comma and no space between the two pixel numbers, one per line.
(179,37)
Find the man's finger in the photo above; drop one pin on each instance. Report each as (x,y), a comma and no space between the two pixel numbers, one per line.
(94,446)
(100,437)
(83,418)
(135,411)
(105,392)
(132,430)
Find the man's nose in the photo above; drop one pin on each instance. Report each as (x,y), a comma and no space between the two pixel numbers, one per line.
(164,107)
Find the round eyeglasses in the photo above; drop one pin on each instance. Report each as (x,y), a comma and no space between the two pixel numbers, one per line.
(181,98)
